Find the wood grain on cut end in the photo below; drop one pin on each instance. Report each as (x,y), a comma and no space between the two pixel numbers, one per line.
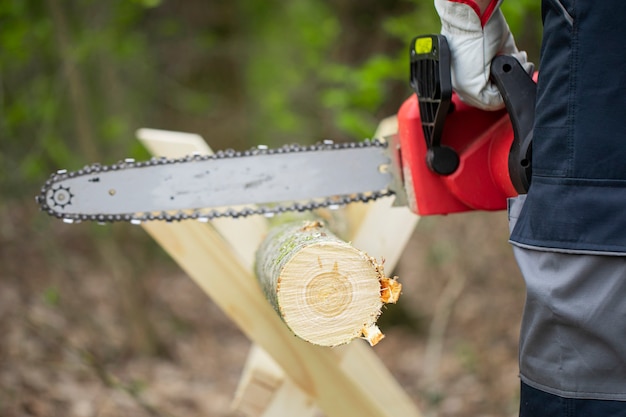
(325,290)
(328,293)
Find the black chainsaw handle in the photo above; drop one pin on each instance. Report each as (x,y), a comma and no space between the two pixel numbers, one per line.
(519,92)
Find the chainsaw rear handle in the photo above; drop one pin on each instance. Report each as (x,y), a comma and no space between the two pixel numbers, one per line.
(459,158)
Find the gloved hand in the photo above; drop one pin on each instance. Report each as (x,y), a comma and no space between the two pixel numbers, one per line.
(475,38)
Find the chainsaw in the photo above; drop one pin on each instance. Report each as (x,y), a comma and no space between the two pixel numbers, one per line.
(446,157)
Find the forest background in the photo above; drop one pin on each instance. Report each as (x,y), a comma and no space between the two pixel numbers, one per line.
(98,321)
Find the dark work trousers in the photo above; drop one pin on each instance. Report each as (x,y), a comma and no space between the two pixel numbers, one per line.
(537,403)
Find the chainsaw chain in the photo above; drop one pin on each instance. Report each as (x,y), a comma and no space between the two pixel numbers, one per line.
(205,215)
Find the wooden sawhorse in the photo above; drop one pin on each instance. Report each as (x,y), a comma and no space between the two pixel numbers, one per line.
(285,376)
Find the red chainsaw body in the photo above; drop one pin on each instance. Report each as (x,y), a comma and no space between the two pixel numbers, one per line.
(482,139)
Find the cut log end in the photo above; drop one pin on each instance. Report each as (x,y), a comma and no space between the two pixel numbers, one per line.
(326,291)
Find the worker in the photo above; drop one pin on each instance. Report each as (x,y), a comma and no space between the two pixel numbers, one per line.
(569,231)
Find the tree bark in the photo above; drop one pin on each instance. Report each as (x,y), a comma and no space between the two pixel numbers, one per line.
(326,291)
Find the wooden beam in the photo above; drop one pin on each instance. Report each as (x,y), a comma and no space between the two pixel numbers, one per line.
(265,391)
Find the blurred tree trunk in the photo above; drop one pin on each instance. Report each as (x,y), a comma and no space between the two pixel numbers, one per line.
(78,93)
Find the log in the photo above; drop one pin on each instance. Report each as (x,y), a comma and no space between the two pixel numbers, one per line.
(326,291)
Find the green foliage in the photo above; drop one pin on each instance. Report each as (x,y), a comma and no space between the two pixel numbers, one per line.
(518,12)
(299,68)
(77,78)
(59,85)
(524,19)
(358,92)
(287,48)
(51,296)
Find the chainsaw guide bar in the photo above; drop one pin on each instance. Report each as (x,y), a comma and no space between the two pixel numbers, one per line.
(230,183)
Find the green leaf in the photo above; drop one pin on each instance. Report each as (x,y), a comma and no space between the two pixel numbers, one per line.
(51,296)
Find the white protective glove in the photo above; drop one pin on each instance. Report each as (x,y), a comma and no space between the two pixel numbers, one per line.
(474,41)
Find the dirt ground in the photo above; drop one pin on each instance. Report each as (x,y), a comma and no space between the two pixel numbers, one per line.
(97,321)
